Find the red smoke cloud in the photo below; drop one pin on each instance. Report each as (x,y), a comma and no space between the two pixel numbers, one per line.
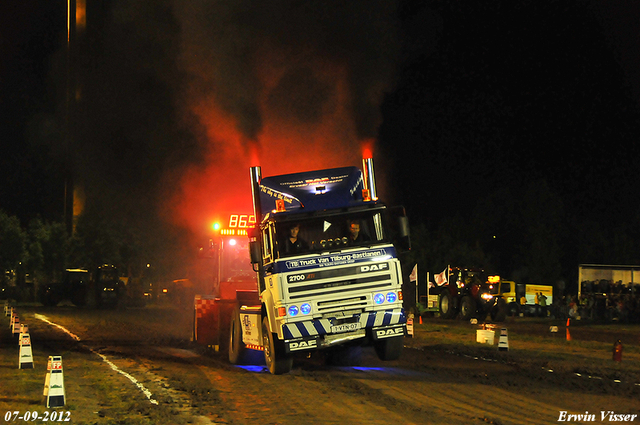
(291,94)
(284,145)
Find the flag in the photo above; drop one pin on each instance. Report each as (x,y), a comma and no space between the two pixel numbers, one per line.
(441,278)
(413,277)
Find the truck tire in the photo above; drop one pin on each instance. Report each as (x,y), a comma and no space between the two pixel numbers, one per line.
(447,308)
(499,311)
(237,348)
(467,307)
(389,348)
(278,362)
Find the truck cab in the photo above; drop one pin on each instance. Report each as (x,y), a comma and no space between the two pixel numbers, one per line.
(328,276)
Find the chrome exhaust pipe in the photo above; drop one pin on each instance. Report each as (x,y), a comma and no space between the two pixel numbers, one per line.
(256,176)
(369,178)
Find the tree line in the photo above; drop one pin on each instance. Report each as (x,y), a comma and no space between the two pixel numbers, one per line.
(38,253)
(527,235)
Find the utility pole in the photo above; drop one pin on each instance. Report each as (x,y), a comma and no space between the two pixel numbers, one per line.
(68,163)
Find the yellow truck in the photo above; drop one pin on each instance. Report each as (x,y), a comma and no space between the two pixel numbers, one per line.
(524,298)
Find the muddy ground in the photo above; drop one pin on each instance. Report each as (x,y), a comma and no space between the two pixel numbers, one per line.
(443,377)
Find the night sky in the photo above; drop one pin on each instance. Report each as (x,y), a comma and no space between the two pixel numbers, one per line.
(456,99)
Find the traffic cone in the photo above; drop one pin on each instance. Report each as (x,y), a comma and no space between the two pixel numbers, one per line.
(568,333)
(54,383)
(503,342)
(617,351)
(420,319)
(15,327)
(25,359)
(47,378)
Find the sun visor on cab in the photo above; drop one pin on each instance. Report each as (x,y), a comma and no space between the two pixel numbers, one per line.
(312,191)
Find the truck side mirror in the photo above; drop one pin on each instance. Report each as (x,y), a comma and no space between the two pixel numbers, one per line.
(404,239)
(399,226)
(255,252)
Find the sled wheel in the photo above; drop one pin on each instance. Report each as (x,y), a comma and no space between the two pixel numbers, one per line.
(237,348)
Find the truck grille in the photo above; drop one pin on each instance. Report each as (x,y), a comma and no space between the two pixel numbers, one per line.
(343,286)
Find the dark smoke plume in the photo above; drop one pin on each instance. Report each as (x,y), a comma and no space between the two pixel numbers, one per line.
(177,99)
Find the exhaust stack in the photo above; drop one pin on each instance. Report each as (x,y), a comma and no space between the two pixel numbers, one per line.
(369,178)
(256,176)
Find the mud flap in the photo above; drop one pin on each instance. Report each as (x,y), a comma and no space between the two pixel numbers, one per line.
(301,344)
(388,332)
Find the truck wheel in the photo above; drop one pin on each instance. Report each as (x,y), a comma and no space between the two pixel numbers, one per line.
(389,348)
(499,311)
(447,309)
(237,348)
(467,307)
(278,362)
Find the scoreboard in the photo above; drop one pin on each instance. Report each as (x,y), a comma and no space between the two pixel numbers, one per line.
(237,225)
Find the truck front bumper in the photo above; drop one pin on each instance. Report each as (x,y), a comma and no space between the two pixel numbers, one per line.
(320,333)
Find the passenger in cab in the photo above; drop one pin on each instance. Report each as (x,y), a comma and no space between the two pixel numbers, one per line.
(355,235)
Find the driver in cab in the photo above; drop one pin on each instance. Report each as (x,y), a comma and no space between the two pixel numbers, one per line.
(293,243)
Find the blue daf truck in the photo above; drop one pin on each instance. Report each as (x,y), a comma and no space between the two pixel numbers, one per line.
(325,253)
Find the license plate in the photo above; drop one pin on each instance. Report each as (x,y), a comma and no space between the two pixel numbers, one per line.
(346,327)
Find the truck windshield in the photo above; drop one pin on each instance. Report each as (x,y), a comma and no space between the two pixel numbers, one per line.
(328,233)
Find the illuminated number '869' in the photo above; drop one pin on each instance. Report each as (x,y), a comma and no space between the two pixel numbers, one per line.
(241,220)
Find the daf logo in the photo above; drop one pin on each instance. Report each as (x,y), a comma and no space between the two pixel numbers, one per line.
(384,333)
(303,345)
(374,267)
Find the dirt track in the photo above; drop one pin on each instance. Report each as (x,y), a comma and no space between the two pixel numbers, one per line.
(444,376)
